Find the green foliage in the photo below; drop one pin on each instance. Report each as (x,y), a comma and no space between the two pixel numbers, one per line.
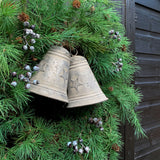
(8,12)
(29,131)
(8,55)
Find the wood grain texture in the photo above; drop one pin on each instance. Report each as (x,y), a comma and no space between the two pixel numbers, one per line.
(150,113)
(150,155)
(150,66)
(130,33)
(147,19)
(147,48)
(145,145)
(147,42)
(149,89)
(152,4)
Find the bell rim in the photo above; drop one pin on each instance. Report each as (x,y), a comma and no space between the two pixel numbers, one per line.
(32,90)
(86,101)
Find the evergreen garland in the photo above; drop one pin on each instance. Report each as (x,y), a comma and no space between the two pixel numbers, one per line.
(32,132)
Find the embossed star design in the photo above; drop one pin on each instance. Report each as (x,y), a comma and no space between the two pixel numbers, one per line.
(75,83)
(55,67)
(64,75)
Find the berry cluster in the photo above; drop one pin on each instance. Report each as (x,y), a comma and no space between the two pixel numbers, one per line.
(115,35)
(26,78)
(118,65)
(98,122)
(29,36)
(75,143)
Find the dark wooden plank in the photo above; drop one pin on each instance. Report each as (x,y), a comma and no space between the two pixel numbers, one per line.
(130,22)
(147,19)
(150,154)
(121,11)
(130,32)
(150,66)
(149,89)
(146,144)
(141,145)
(150,114)
(154,135)
(129,142)
(153,4)
(147,42)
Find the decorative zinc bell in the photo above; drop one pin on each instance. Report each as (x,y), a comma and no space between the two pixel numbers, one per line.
(83,88)
(53,75)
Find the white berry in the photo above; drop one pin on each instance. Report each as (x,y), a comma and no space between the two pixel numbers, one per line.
(111,32)
(87,149)
(120,64)
(27,86)
(117,33)
(101,128)
(14,74)
(100,123)
(25,47)
(27,67)
(26,79)
(120,59)
(32,48)
(30,31)
(21,76)
(69,144)
(76,148)
(74,143)
(95,119)
(35,82)
(34,35)
(29,74)
(81,151)
(38,36)
(117,69)
(26,24)
(81,140)
(115,37)
(35,68)
(14,83)
(33,41)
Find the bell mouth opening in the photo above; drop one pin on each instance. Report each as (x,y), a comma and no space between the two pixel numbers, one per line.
(87,101)
(49,93)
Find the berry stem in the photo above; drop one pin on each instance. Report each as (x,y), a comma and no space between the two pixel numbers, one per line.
(25,39)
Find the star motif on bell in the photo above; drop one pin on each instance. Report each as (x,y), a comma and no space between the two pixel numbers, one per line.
(55,67)
(64,75)
(75,83)
(43,67)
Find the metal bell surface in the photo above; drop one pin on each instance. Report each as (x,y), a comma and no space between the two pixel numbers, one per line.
(53,75)
(83,88)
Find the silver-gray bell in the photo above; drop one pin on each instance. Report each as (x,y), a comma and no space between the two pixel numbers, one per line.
(83,88)
(53,75)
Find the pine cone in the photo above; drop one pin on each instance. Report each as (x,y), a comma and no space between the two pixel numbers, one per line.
(92,9)
(34,59)
(23,17)
(53,29)
(111,89)
(19,39)
(124,48)
(76,4)
(115,147)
